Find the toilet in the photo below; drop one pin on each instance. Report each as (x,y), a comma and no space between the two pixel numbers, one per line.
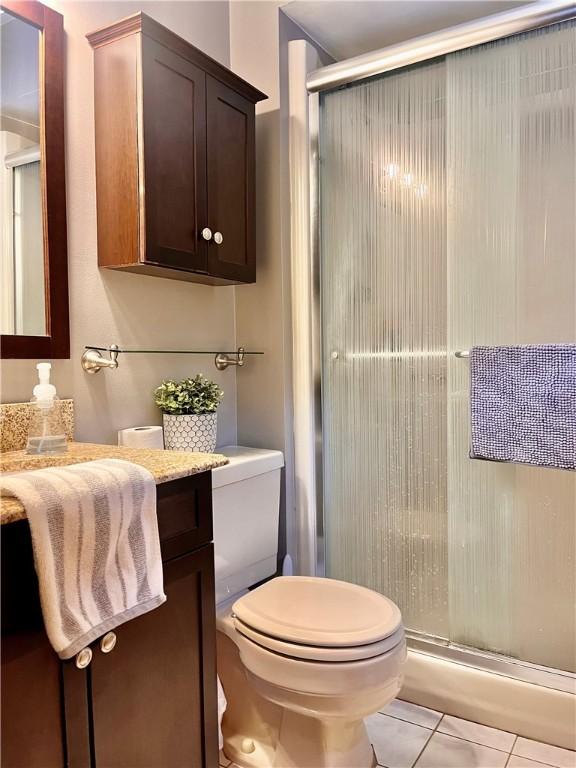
(302,660)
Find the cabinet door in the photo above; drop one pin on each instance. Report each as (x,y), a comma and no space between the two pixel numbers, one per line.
(174,128)
(231,183)
(32,726)
(154,696)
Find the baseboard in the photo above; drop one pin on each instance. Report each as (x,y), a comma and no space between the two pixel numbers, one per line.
(529,710)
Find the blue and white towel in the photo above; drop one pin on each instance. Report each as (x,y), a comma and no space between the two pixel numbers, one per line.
(523,404)
(96,546)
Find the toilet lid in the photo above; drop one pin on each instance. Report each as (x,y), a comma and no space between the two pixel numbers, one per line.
(318,612)
(321,653)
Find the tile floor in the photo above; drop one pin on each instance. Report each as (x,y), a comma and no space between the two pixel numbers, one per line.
(407,736)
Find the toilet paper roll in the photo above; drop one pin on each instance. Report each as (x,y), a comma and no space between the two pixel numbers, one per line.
(141,437)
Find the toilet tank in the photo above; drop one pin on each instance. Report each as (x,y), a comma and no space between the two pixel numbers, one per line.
(246,507)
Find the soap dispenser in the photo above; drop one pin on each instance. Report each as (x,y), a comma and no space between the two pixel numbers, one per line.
(46,433)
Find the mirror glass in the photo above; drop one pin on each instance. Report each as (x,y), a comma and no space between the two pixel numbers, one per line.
(22,269)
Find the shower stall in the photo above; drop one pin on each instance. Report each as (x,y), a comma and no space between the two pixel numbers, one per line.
(443,192)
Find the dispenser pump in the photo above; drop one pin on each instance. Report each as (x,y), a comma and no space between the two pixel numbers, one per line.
(44,392)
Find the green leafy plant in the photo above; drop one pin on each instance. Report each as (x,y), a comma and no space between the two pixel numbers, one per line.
(190,396)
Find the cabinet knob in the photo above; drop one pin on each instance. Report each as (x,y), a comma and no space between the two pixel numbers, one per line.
(83,658)
(218,238)
(206,233)
(108,642)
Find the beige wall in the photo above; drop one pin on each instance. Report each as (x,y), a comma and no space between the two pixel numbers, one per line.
(259,34)
(263,391)
(254,55)
(130,310)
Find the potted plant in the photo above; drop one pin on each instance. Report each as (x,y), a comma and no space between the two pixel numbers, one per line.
(189,413)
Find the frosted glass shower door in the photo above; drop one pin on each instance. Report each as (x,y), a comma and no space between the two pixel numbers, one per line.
(383,274)
(511,237)
(448,219)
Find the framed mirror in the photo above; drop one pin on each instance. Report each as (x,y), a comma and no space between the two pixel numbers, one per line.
(33,265)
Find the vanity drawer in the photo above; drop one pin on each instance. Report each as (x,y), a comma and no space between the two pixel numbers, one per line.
(184,509)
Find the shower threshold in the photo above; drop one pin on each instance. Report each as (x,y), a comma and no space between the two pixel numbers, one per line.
(506,666)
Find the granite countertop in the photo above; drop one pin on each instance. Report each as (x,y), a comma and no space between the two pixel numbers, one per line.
(164,465)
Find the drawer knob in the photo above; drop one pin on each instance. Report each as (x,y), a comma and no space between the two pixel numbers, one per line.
(108,642)
(218,238)
(83,658)
(206,233)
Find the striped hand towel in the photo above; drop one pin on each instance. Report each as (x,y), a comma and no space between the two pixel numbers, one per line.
(96,546)
(523,404)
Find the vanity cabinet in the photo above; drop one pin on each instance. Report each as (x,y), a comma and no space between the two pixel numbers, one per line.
(148,692)
(175,157)
(151,701)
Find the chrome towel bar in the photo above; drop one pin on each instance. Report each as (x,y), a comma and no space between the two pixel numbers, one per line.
(93,360)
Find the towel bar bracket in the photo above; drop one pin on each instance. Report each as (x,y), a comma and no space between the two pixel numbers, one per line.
(93,360)
(223,360)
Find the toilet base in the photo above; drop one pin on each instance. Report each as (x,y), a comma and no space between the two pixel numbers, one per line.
(258,733)
(307,742)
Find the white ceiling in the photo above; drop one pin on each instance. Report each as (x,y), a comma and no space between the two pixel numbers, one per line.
(19,76)
(346,28)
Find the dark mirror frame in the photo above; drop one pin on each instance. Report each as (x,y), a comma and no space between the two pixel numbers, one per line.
(56,344)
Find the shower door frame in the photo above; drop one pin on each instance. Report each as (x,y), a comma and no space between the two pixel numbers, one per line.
(358,69)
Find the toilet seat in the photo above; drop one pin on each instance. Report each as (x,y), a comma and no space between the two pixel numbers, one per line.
(306,676)
(319,619)
(320,653)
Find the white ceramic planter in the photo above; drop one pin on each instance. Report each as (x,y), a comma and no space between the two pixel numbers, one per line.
(190,432)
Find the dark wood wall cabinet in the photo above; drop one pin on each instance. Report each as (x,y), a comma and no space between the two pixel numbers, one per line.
(151,700)
(175,157)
